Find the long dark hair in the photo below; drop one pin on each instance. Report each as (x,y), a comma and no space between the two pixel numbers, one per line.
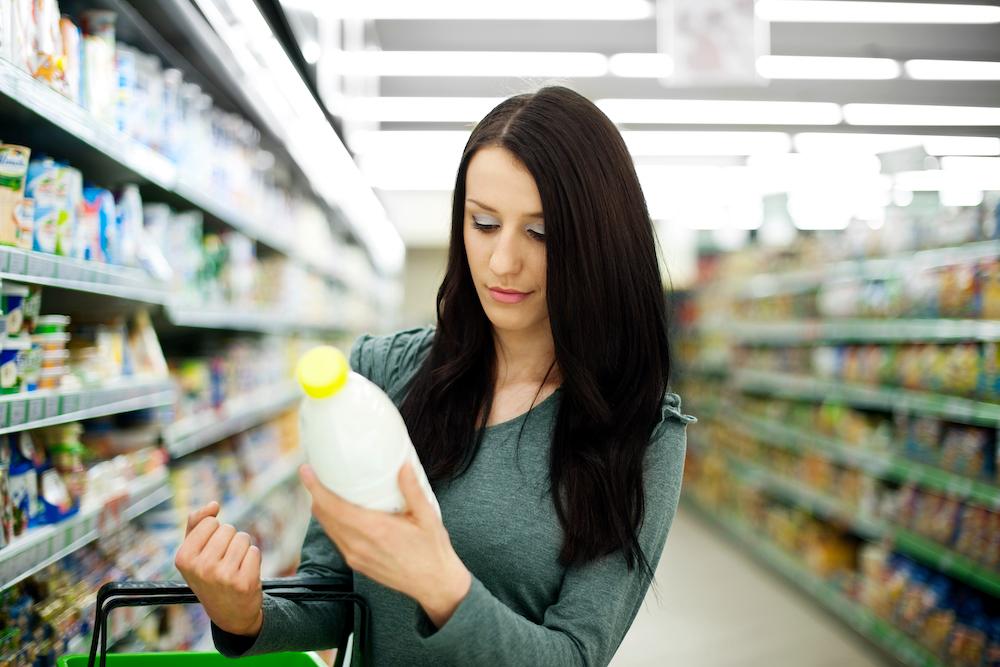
(608,318)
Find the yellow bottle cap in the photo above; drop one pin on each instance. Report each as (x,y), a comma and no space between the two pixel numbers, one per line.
(322,371)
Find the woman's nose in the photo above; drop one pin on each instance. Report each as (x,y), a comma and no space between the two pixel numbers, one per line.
(506,256)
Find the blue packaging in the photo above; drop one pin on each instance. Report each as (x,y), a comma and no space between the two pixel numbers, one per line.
(98,226)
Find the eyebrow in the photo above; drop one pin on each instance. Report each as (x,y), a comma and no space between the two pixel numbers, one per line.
(493,210)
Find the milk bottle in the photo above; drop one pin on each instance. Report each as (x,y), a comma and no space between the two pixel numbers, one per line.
(354,437)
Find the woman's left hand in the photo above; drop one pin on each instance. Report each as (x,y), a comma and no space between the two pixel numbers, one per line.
(409,552)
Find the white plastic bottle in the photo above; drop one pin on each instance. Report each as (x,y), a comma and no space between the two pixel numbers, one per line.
(354,437)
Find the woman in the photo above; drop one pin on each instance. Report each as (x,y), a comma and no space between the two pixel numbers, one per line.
(540,412)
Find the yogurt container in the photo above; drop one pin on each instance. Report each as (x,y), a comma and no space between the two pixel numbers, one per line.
(54,358)
(51,341)
(32,367)
(32,307)
(13,356)
(51,378)
(51,324)
(11,303)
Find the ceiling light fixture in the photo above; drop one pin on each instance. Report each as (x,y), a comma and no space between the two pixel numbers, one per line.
(819,67)
(916,114)
(721,112)
(953,70)
(839,11)
(471,63)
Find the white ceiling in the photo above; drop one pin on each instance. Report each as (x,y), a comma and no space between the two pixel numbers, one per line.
(422,216)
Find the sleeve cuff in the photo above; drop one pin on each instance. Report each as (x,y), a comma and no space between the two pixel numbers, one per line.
(238,646)
(461,625)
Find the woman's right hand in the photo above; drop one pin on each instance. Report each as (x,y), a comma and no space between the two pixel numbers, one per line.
(222,568)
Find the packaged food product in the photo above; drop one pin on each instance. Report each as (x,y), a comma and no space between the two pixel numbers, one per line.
(125,57)
(99,82)
(965,450)
(72,55)
(128,207)
(55,359)
(51,378)
(51,324)
(6,508)
(24,223)
(48,64)
(338,429)
(32,367)
(23,34)
(48,186)
(14,162)
(52,341)
(23,485)
(98,237)
(31,307)
(12,298)
(12,359)
(56,500)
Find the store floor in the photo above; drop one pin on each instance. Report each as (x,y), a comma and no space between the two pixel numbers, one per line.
(719,608)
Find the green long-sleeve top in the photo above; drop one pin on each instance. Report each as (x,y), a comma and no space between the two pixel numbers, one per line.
(524,607)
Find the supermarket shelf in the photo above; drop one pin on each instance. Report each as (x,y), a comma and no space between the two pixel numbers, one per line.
(884,465)
(878,398)
(863,330)
(806,498)
(43,546)
(947,561)
(261,488)
(262,321)
(146,163)
(35,409)
(40,268)
(198,431)
(792,282)
(862,620)
(904,541)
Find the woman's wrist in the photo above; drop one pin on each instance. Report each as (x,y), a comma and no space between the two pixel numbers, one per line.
(440,604)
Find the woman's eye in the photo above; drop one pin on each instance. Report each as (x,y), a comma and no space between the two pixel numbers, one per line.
(537,232)
(485,224)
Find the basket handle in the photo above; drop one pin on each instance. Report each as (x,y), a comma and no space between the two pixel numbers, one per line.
(148,593)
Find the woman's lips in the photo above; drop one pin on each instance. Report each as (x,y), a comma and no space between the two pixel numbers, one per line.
(508,296)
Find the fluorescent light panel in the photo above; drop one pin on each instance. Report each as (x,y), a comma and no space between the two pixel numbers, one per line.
(837,11)
(722,112)
(819,67)
(641,65)
(419,109)
(849,142)
(529,10)
(953,70)
(655,143)
(470,63)
(913,114)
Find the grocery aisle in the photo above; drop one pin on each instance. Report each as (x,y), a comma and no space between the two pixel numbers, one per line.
(718,607)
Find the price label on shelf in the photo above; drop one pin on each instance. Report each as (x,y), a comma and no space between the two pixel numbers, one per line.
(18,412)
(39,266)
(4,414)
(18,263)
(71,403)
(70,271)
(4,261)
(51,407)
(36,409)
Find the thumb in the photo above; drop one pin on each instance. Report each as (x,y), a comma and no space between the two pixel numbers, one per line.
(311,482)
(417,503)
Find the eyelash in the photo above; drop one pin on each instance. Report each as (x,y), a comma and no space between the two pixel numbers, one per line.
(489,228)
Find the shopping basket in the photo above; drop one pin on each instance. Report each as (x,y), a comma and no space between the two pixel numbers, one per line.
(149,593)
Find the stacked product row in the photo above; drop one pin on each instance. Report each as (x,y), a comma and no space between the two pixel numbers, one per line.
(131,91)
(884,504)
(47,352)
(51,612)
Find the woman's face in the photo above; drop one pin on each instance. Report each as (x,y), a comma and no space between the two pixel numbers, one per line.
(505,241)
